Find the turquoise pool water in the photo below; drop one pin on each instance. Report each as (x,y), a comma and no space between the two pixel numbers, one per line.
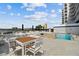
(63,36)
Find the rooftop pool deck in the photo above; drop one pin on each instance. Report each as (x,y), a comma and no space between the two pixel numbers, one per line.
(55,47)
(59,47)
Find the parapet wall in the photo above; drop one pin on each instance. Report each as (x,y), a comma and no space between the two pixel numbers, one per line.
(73,29)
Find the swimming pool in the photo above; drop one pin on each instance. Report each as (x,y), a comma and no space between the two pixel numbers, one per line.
(63,36)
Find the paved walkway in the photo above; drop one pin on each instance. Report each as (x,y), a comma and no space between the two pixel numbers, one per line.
(57,47)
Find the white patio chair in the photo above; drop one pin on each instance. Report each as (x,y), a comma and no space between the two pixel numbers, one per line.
(35,48)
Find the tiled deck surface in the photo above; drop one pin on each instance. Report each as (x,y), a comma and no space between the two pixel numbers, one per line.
(55,47)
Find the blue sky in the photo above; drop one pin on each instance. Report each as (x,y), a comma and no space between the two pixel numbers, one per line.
(16,14)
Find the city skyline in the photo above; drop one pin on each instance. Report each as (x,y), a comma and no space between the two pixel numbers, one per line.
(16,14)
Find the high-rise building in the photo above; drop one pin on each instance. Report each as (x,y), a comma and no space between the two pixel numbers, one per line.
(70,20)
(32,27)
(62,17)
(65,13)
(70,13)
(45,26)
(74,13)
(22,26)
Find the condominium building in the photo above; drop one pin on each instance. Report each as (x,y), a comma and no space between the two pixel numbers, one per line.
(45,26)
(62,17)
(65,13)
(70,21)
(70,13)
(74,13)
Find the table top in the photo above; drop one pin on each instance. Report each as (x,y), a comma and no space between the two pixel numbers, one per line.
(25,39)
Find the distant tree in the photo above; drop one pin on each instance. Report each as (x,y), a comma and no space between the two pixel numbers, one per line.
(39,27)
(14,28)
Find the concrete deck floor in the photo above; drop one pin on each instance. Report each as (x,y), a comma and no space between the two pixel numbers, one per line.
(59,47)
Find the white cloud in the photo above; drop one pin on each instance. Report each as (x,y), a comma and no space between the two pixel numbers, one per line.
(11,14)
(60,10)
(36,16)
(38,5)
(54,15)
(24,5)
(9,7)
(29,9)
(45,20)
(42,14)
(32,17)
(60,4)
(32,6)
(57,21)
(53,11)
(18,14)
(26,16)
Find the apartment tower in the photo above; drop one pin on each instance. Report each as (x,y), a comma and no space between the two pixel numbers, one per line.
(74,13)
(70,13)
(22,26)
(65,13)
